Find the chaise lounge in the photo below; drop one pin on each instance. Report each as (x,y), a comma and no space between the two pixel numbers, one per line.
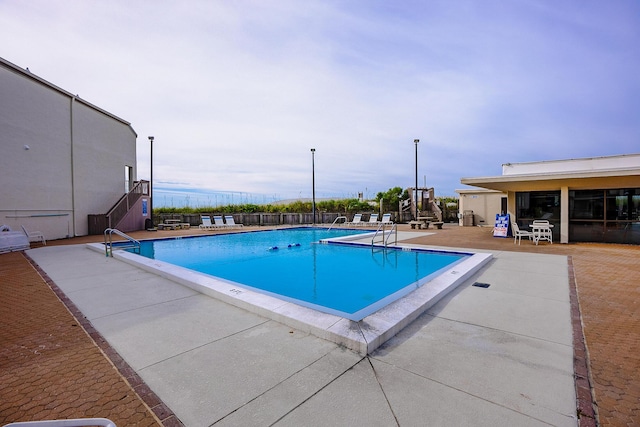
(206,222)
(34,236)
(231,223)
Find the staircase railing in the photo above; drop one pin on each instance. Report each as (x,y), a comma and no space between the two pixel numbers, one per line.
(126,202)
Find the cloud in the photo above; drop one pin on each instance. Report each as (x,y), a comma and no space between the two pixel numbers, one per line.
(236,93)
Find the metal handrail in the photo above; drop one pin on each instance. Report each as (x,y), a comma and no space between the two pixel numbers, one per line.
(393,231)
(336,220)
(108,246)
(126,202)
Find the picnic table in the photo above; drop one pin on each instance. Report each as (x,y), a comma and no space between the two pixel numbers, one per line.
(173,224)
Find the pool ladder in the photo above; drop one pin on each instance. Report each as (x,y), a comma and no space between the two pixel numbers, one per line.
(108,245)
(336,220)
(392,232)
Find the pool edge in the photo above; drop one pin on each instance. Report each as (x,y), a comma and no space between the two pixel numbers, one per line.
(362,336)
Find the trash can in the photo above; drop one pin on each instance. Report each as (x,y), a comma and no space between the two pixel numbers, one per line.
(468,219)
(148,224)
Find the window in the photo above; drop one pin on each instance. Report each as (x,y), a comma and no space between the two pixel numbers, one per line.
(586,204)
(609,216)
(538,205)
(128,178)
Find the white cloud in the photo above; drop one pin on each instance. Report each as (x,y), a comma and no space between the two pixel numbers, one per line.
(236,93)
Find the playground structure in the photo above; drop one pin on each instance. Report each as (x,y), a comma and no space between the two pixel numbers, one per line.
(420,204)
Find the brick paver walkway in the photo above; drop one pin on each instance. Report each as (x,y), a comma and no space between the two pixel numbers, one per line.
(50,367)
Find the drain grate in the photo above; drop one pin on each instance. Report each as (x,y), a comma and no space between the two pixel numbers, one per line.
(481,285)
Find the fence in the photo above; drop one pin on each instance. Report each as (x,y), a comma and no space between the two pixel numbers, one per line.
(278,218)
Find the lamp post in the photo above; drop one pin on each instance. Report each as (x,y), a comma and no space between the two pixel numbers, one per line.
(313,183)
(151,138)
(415,200)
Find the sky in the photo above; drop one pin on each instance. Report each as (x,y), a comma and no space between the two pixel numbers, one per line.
(237,93)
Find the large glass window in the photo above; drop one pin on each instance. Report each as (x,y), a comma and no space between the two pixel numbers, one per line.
(610,216)
(586,204)
(539,205)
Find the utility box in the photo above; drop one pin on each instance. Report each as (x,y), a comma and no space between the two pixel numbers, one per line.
(468,219)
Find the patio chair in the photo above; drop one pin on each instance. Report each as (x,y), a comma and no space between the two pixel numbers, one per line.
(206,222)
(542,230)
(519,234)
(386,219)
(231,222)
(373,221)
(218,222)
(357,220)
(34,236)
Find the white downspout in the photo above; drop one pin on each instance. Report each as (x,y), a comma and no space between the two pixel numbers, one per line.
(73,187)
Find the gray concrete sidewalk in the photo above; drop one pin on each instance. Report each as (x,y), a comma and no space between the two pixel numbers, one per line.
(495,356)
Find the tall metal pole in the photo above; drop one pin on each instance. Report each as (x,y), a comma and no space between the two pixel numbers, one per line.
(151,183)
(415,200)
(313,182)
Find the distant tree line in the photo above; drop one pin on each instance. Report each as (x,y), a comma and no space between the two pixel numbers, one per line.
(345,206)
(390,203)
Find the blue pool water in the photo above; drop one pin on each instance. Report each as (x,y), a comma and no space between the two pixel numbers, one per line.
(348,280)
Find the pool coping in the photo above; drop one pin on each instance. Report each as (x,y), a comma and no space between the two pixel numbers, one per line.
(362,336)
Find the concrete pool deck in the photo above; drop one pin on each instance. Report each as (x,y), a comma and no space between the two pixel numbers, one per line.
(501,355)
(362,336)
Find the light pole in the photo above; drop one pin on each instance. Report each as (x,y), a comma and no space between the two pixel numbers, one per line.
(151,183)
(415,200)
(313,183)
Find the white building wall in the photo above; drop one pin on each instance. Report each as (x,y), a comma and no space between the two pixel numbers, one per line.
(102,147)
(626,161)
(74,164)
(37,117)
(485,204)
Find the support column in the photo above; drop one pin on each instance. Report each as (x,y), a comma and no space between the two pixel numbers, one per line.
(564,215)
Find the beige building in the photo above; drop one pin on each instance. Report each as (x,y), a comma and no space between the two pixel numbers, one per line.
(62,158)
(587,200)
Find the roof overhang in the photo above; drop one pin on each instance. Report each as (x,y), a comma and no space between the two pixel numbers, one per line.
(604,179)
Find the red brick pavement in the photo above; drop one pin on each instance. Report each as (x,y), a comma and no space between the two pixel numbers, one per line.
(50,367)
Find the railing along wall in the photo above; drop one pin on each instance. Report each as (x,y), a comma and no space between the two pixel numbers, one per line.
(122,206)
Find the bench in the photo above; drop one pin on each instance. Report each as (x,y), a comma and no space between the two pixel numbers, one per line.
(420,224)
(438,225)
(172,226)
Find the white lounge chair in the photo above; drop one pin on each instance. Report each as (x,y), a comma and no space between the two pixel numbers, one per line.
(357,220)
(34,236)
(230,222)
(519,234)
(386,219)
(373,221)
(76,422)
(206,222)
(218,222)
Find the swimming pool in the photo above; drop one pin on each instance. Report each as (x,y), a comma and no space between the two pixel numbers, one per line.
(362,336)
(351,281)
